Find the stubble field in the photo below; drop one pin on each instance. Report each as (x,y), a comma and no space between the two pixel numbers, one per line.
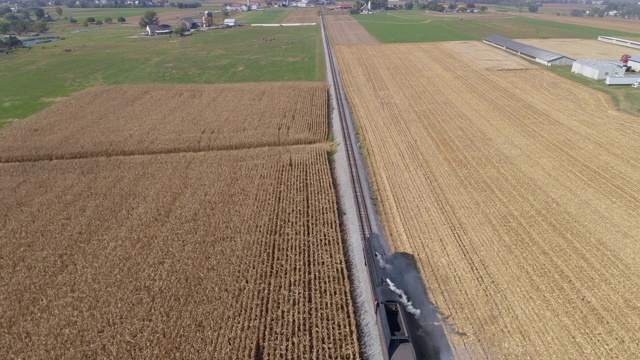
(345,30)
(515,189)
(581,48)
(148,119)
(144,240)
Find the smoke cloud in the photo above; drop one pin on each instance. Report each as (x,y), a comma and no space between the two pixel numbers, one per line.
(405,280)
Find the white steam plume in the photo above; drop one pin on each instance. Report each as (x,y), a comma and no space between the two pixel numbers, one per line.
(404,299)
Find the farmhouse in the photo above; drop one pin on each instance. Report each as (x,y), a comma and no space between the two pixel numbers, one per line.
(634,63)
(189,23)
(598,70)
(539,55)
(159,30)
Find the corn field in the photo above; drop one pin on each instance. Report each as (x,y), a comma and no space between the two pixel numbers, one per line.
(178,249)
(152,119)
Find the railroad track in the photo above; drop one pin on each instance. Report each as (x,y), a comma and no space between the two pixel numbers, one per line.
(391,317)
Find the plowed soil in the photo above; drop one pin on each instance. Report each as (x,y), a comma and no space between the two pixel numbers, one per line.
(515,189)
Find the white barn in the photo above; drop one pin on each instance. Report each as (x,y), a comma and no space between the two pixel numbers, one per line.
(230,22)
(598,70)
(634,62)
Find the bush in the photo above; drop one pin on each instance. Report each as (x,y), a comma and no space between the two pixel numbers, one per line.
(122,20)
(179,30)
(91,19)
(99,22)
(108,20)
(73,21)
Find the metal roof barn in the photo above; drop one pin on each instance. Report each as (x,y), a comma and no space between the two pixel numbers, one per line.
(598,70)
(539,55)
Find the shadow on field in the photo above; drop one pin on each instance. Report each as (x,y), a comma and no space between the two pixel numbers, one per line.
(426,329)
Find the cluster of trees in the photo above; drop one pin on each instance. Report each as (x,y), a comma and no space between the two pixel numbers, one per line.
(375,5)
(624,10)
(431,5)
(149,18)
(9,43)
(22,21)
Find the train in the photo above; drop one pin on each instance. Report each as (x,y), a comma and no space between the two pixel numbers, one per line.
(391,316)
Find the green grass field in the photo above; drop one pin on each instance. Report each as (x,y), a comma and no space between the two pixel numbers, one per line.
(272,16)
(32,79)
(416,26)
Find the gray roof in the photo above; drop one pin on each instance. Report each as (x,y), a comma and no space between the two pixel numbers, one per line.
(635,58)
(524,49)
(154,27)
(190,21)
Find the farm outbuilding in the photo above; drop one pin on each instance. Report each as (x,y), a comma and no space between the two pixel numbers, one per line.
(230,22)
(531,52)
(619,41)
(598,70)
(189,23)
(621,80)
(634,63)
(159,30)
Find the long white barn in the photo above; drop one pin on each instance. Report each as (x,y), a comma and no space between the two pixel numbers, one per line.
(539,55)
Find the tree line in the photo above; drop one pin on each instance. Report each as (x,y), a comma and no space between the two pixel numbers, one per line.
(22,21)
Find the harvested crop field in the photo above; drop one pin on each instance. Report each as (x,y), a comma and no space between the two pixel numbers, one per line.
(297,16)
(146,119)
(515,190)
(345,30)
(609,22)
(581,48)
(225,255)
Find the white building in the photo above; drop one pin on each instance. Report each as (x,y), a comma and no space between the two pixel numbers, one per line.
(634,62)
(230,22)
(536,54)
(598,70)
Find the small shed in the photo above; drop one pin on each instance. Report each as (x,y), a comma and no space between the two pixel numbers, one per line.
(634,63)
(230,22)
(598,70)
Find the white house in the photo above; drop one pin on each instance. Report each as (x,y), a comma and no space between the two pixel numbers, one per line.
(598,70)
(230,22)
(634,62)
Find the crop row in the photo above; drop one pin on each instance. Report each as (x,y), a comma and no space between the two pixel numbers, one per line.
(224,255)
